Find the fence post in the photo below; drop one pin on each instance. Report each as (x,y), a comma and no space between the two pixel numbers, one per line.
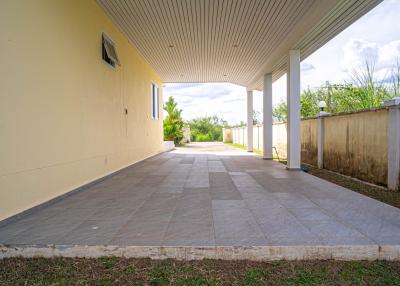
(320,139)
(393,144)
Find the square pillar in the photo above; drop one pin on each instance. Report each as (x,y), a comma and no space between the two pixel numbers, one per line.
(249,121)
(267,117)
(320,139)
(393,144)
(293,103)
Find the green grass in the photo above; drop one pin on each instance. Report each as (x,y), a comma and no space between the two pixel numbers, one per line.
(259,152)
(122,271)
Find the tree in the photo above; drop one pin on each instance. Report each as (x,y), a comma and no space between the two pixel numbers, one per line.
(367,91)
(362,91)
(241,124)
(394,88)
(279,112)
(256,117)
(173,123)
(206,128)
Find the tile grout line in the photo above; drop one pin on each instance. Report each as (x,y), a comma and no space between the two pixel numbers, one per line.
(173,212)
(137,209)
(212,209)
(251,212)
(348,225)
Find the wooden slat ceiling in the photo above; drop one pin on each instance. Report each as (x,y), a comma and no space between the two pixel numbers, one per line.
(229,40)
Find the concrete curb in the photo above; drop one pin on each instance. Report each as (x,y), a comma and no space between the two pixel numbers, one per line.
(255,253)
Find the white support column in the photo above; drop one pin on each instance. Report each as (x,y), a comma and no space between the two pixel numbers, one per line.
(394,144)
(267,117)
(249,121)
(293,120)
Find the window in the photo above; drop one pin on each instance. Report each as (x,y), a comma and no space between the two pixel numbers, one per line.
(108,51)
(154,101)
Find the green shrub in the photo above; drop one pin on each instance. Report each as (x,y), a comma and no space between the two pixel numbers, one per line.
(206,129)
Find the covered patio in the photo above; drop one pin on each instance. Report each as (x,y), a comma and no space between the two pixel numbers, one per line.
(83,172)
(208,200)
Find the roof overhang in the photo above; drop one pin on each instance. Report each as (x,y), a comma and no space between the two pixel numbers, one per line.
(229,41)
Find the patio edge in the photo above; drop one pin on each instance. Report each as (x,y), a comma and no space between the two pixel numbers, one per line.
(254,253)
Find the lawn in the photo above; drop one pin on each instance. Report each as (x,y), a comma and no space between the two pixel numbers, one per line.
(122,271)
(259,152)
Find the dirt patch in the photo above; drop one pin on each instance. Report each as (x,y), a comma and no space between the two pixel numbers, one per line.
(375,192)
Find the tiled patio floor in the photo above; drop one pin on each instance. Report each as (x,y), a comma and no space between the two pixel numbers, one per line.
(209,195)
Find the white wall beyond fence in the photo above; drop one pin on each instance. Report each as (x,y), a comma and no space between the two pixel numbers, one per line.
(239,136)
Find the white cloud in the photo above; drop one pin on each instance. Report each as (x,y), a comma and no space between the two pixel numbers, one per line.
(357,52)
(375,34)
(223,99)
(389,54)
(205,99)
(305,67)
(383,57)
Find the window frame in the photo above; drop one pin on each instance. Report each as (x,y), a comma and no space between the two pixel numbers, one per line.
(106,45)
(155,101)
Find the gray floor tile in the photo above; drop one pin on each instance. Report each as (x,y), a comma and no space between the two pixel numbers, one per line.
(113,214)
(223,205)
(347,240)
(235,224)
(375,228)
(187,160)
(216,166)
(388,239)
(273,216)
(206,199)
(141,232)
(263,204)
(297,203)
(274,230)
(197,179)
(196,191)
(218,193)
(92,232)
(46,232)
(242,241)
(200,233)
(331,229)
(223,188)
(295,240)
(311,214)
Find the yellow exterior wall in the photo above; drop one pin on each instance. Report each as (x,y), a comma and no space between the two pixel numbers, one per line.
(62,121)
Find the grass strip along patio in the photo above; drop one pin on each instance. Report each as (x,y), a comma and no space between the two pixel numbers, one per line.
(122,271)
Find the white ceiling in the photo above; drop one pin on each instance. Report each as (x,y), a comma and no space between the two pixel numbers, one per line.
(229,40)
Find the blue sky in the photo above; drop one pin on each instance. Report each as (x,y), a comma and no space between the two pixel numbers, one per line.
(375,36)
